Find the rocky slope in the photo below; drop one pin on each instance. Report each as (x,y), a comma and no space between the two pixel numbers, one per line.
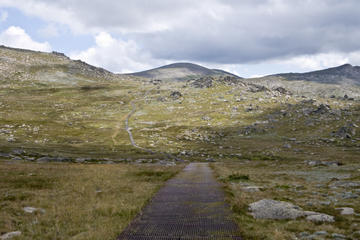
(65,110)
(338,82)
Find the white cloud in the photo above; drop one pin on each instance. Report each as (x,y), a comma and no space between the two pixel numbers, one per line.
(17,37)
(116,55)
(49,30)
(3,16)
(321,60)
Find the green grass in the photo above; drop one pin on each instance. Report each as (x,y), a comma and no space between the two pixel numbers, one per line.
(80,201)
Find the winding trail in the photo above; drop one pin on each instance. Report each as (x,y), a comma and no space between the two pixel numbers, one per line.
(190,206)
(128,129)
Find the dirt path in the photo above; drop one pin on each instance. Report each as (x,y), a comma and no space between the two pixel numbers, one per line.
(189,206)
(128,129)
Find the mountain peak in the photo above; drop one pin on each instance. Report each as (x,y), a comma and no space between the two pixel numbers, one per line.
(181,71)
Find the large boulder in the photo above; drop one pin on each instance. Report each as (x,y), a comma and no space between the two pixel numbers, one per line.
(271,209)
(278,210)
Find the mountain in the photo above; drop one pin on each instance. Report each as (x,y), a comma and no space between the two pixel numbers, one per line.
(26,67)
(344,74)
(181,71)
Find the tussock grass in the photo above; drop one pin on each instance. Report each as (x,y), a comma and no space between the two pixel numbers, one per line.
(291,181)
(80,201)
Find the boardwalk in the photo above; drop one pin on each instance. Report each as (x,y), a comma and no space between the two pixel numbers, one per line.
(189,206)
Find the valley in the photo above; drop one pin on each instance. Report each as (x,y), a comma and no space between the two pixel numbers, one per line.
(293,138)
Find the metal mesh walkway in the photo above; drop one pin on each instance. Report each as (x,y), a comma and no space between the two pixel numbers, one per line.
(189,206)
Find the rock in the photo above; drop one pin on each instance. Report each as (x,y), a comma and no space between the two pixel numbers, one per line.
(347,131)
(320,233)
(320,217)
(80,160)
(17,158)
(18,152)
(45,159)
(282,90)
(252,189)
(256,88)
(53,159)
(350,195)
(32,210)
(287,145)
(10,235)
(315,163)
(206,118)
(346,211)
(271,209)
(175,95)
(338,236)
(204,82)
(346,184)
(322,109)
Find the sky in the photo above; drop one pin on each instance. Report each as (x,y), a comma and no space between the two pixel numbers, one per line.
(247,37)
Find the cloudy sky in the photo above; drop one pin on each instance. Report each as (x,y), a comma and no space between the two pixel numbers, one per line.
(246,37)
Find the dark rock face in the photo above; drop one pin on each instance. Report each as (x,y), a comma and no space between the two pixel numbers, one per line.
(204,82)
(175,95)
(282,90)
(254,88)
(322,109)
(230,80)
(347,131)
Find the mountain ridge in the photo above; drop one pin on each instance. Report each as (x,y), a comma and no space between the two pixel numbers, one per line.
(345,73)
(181,71)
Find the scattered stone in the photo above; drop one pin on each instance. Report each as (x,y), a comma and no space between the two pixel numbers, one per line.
(349,195)
(80,160)
(287,145)
(346,211)
(347,131)
(32,210)
(44,159)
(338,236)
(322,109)
(320,217)
(282,91)
(256,88)
(10,235)
(5,155)
(206,118)
(321,233)
(252,189)
(204,82)
(346,184)
(315,163)
(18,152)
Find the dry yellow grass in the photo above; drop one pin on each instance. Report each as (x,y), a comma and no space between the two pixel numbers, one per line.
(80,201)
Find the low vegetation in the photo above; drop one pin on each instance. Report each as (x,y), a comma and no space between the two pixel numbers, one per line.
(314,188)
(74,201)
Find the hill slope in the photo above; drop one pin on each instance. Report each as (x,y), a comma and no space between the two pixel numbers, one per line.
(25,67)
(180,71)
(344,74)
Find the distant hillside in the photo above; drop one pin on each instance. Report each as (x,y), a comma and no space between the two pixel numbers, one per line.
(345,74)
(26,67)
(181,71)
